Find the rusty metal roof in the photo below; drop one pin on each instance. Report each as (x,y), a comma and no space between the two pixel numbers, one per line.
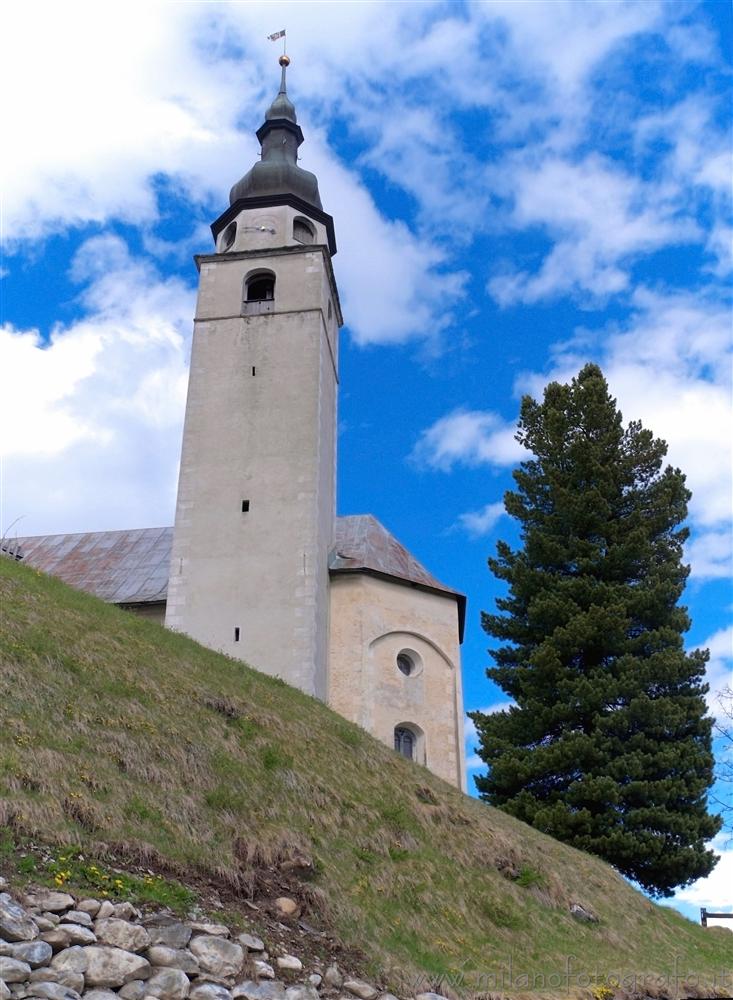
(363,545)
(132,566)
(123,567)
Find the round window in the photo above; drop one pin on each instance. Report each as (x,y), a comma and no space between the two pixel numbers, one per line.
(230,234)
(405,663)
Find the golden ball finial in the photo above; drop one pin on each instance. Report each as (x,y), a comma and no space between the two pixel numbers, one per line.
(284,60)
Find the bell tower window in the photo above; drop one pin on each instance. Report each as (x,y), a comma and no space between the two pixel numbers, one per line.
(228,237)
(261,288)
(303,231)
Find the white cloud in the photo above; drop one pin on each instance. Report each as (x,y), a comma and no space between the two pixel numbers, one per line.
(478,523)
(473,761)
(468,437)
(712,892)
(719,671)
(92,419)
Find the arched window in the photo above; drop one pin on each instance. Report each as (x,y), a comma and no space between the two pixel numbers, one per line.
(261,288)
(228,237)
(404,742)
(303,231)
(406,664)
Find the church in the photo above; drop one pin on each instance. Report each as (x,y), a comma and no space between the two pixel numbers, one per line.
(257,564)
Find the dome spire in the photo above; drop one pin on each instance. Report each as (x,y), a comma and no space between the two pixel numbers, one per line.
(277,172)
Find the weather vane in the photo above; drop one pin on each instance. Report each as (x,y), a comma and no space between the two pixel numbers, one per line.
(276,35)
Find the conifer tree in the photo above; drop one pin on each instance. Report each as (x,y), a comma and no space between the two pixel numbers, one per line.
(608,747)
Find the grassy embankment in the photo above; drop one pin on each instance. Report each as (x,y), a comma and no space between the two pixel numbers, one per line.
(115,732)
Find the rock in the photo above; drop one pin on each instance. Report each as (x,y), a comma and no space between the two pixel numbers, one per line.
(15,923)
(58,939)
(259,991)
(289,963)
(301,992)
(134,990)
(251,943)
(100,995)
(121,934)
(430,996)
(4,991)
(214,930)
(45,923)
(263,969)
(71,960)
(90,906)
(78,917)
(12,970)
(54,902)
(286,907)
(105,910)
(54,991)
(35,953)
(174,958)
(6,949)
(364,991)
(77,934)
(3,884)
(126,911)
(315,980)
(53,918)
(217,956)
(581,913)
(168,984)
(108,966)
(333,978)
(209,991)
(387,996)
(172,935)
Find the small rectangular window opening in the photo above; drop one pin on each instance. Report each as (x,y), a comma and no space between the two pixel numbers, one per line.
(236,633)
(254,371)
(245,506)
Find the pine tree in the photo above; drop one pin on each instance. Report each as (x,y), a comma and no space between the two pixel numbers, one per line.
(608,747)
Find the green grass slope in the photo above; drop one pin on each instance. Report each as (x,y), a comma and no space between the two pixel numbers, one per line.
(116,732)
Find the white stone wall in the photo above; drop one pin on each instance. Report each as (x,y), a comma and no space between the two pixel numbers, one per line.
(372,621)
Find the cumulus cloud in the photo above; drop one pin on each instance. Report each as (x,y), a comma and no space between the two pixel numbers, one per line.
(719,672)
(713,892)
(477,523)
(91,422)
(467,437)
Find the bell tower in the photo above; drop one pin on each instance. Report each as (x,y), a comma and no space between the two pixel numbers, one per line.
(256,494)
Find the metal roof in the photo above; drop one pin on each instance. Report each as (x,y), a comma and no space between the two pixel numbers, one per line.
(123,567)
(132,566)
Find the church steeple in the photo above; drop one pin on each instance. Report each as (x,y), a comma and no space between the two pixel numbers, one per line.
(278,172)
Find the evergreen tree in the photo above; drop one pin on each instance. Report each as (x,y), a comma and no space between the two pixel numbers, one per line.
(608,747)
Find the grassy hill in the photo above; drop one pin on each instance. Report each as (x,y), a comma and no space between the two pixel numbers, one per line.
(117,734)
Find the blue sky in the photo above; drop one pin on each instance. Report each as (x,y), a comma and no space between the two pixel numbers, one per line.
(517,188)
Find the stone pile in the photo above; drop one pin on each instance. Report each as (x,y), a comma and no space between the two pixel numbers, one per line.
(53,947)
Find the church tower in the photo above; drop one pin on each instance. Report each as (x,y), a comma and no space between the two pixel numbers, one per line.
(256,495)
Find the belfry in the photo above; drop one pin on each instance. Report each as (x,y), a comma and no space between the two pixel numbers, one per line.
(258,565)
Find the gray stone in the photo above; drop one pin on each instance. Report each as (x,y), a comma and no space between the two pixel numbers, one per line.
(173,958)
(12,970)
(289,963)
(35,953)
(333,978)
(315,980)
(108,966)
(134,990)
(54,991)
(53,917)
(583,914)
(4,991)
(122,934)
(74,980)
(78,917)
(100,995)
(286,907)
(77,934)
(72,959)
(15,923)
(387,996)
(54,902)
(430,996)
(126,911)
(263,969)
(45,923)
(301,992)
(362,990)
(173,935)
(217,956)
(213,930)
(209,991)
(105,910)
(168,984)
(90,906)
(259,991)
(3,884)
(251,943)
(57,938)
(6,948)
